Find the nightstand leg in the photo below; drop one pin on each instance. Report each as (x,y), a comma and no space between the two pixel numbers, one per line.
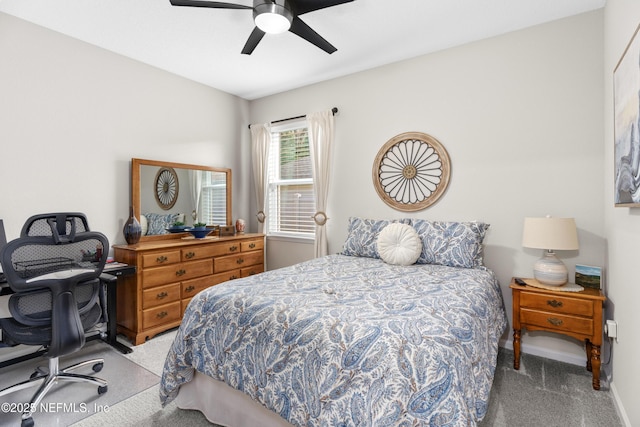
(516,349)
(595,366)
(588,346)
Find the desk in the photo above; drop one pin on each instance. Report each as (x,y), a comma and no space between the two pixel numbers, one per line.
(116,270)
(110,275)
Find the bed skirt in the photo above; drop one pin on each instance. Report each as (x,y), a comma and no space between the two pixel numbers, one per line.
(224,405)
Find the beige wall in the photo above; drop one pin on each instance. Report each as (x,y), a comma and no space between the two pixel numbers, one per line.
(73,115)
(622,225)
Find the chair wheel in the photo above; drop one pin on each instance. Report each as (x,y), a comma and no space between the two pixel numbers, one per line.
(98,367)
(27,422)
(102,389)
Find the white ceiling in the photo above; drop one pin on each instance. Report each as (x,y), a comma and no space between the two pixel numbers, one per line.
(204,44)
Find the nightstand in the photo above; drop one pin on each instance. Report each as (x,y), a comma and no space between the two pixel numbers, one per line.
(576,314)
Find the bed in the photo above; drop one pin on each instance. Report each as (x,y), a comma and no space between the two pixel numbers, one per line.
(347,339)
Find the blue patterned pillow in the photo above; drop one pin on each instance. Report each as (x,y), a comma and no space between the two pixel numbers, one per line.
(158,223)
(456,244)
(362,237)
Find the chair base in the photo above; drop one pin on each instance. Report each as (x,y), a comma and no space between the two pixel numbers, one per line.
(47,380)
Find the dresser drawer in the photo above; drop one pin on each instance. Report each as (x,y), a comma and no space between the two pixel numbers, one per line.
(192,287)
(199,252)
(225,276)
(160,295)
(162,314)
(156,259)
(252,245)
(175,273)
(250,271)
(557,304)
(554,321)
(242,260)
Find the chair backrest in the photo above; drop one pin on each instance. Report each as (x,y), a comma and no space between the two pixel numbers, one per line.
(54,270)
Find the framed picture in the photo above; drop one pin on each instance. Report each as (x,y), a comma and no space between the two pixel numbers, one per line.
(588,276)
(626,107)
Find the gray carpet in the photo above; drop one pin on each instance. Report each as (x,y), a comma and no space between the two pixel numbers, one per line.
(67,403)
(542,393)
(548,393)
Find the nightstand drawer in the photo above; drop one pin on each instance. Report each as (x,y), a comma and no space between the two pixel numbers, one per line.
(557,304)
(554,321)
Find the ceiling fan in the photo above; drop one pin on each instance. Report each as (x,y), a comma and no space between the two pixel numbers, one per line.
(275,16)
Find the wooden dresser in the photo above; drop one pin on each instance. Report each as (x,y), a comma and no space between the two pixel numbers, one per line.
(170,272)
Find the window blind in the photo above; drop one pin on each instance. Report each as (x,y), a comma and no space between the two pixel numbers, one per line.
(290,199)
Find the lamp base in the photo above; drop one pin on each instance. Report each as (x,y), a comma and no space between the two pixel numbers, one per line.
(549,270)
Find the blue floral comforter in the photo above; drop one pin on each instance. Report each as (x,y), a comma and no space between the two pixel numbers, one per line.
(348,341)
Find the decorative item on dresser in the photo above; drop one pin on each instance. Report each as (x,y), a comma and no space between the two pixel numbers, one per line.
(576,313)
(170,272)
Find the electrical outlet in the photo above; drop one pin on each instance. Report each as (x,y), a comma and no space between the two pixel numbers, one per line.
(611,329)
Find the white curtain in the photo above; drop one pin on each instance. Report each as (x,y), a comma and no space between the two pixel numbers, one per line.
(196,190)
(321,136)
(260,140)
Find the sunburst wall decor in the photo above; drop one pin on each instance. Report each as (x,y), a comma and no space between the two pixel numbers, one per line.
(411,171)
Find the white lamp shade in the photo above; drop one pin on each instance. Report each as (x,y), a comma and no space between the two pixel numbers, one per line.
(550,233)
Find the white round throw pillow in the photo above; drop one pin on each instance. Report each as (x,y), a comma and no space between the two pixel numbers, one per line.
(399,244)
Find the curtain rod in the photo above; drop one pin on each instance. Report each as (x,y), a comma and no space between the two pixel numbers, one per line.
(334,110)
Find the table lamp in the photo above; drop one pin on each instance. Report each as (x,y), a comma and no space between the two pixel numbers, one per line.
(550,234)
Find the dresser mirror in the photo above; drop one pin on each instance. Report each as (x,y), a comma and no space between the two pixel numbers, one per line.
(166,191)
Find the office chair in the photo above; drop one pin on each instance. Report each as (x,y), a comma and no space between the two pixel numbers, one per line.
(54,267)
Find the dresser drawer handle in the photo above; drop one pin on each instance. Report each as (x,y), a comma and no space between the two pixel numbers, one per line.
(239,261)
(190,288)
(162,295)
(189,255)
(233,277)
(233,248)
(162,315)
(554,303)
(181,272)
(252,245)
(554,321)
(161,259)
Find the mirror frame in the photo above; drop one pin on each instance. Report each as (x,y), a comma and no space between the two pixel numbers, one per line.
(135,189)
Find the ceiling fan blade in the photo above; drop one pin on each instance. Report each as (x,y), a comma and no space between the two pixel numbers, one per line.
(306,6)
(211,4)
(299,28)
(256,35)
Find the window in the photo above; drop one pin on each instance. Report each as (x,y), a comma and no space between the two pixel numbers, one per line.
(290,198)
(214,198)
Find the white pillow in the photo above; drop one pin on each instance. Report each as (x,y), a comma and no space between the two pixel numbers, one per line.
(399,244)
(144,224)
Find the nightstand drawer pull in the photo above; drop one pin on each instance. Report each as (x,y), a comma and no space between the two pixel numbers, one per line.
(162,295)
(554,321)
(554,303)
(189,255)
(162,315)
(161,259)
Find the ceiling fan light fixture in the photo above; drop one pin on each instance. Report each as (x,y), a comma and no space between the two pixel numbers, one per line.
(272,18)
